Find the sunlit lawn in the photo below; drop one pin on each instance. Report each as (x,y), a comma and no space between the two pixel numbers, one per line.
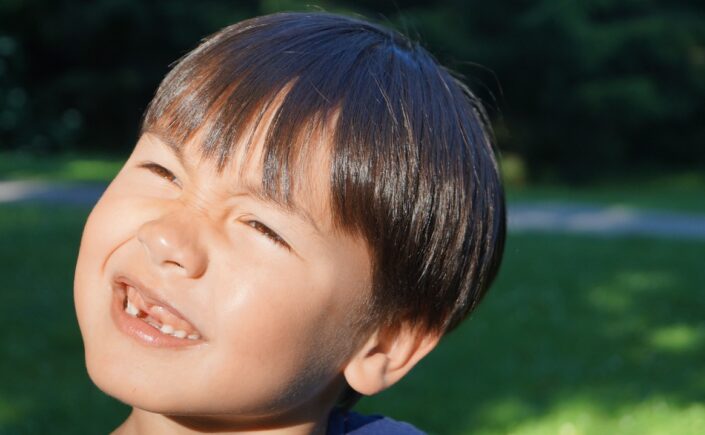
(580,335)
(679,192)
(67,168)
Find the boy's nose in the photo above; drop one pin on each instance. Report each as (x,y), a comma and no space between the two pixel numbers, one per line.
(172,242)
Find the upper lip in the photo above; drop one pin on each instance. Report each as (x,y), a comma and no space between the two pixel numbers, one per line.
(150,296)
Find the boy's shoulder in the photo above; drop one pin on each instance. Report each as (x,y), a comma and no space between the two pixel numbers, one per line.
(348,422)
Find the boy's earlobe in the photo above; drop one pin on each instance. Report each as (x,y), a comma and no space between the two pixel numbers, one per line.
(387,357)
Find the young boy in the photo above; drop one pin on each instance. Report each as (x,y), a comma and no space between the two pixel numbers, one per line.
(312,204)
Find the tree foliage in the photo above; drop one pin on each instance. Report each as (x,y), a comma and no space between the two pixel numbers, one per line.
(577,89)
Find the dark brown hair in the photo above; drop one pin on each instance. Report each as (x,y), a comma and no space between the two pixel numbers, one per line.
(413,166)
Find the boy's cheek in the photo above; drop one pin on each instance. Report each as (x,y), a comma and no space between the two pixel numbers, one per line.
(105,226)
(113,222)
(96,242)
(117,217)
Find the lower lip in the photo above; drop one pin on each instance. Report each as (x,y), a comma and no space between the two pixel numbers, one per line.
(141,331)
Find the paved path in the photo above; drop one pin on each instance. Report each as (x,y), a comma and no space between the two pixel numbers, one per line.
(610,220)
(46,192)
(530,216)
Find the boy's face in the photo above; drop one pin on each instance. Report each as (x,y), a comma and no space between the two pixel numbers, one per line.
(275,312)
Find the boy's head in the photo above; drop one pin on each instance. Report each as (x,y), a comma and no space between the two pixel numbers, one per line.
(313,200)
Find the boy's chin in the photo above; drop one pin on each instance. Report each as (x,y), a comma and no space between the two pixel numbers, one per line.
(207,417)
(130,393)
(201,408)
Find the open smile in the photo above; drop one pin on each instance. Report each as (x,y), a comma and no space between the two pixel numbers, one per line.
(149,320)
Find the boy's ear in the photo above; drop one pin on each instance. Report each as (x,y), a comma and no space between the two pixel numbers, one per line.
(386,357)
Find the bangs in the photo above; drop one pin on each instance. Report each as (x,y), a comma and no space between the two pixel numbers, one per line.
(410,164)
(237,80)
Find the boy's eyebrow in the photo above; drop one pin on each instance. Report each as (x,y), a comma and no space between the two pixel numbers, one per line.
(255,191)
(252,189)
(170,144)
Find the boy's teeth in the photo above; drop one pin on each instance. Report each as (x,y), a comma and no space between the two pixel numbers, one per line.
(153,323)
(131,309)
(167,329)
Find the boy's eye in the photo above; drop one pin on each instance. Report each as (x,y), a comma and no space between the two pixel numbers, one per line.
(160,171)
(271,235)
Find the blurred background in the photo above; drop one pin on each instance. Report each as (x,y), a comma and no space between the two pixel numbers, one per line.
(595,324)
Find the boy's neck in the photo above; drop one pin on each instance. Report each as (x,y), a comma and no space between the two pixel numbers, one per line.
(141,422)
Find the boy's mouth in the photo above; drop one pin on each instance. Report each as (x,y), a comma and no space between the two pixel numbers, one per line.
(137,302)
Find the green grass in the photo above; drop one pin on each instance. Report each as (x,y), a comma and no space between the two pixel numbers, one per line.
(684,192)
(43,384)
(580,335)
(66,167)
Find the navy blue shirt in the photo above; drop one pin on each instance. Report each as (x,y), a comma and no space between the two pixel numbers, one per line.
(348,422)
